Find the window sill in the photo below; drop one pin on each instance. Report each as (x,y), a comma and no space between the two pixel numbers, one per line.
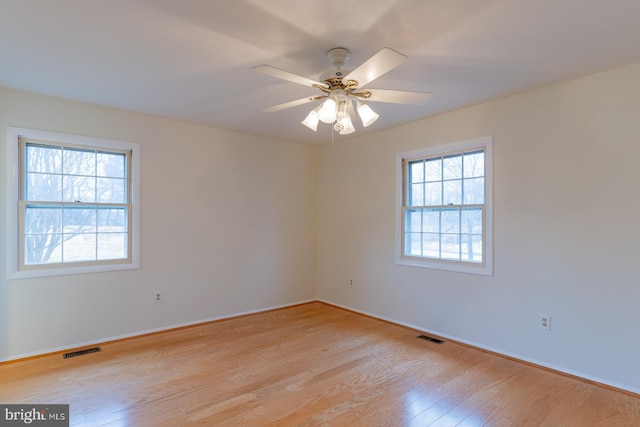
(454,266)
(67,270)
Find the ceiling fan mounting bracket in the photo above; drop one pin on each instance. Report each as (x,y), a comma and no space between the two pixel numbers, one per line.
(317,97)
(366,94)
(350,84)
(339,56)
(323,88)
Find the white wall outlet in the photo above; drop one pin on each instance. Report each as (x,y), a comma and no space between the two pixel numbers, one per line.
(157,297)
(544,321)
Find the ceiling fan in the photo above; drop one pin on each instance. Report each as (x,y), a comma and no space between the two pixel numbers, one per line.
(341,87)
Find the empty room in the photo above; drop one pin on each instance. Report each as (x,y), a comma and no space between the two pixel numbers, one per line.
(338,213)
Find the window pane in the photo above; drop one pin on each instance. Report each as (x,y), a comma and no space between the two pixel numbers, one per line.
(471,247)
(42,220)
(453,192)
(431,221)
(79,162)
(112,246)
(413,220)
(471,221)
(416,172)
(452,167)
(79,247)
(111,165)
(474,164)
(474,191)
(412,244)
(431,245)
(450,246)
(433,194)
(111,190)
(433,170)
(43,159)
(79,220)
(112,220)
(417,195)
(43,187)
(42,248)
(79,189)
(450,221)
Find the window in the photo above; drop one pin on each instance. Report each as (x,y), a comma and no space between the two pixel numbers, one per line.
(75,205)
(445,211)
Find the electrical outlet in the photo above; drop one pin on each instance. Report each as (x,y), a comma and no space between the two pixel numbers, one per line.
(351,282)
(544,321)
(157,297)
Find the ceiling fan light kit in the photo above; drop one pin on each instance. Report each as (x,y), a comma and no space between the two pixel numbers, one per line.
(341,87)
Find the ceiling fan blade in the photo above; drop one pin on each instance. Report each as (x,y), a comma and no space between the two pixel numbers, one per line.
(285,75)
(398,96)
(383,61)
(292,104)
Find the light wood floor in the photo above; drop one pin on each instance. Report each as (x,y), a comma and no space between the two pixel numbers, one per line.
(309,365)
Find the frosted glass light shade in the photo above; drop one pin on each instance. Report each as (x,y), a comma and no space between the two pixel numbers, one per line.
(311,121)
(327,113)
(347,125)
(367,115)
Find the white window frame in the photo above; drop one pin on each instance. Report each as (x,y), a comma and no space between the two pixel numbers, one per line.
(482,268)
(13,204)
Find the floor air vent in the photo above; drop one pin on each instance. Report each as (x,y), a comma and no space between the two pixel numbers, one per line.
(81,352)
(427,338)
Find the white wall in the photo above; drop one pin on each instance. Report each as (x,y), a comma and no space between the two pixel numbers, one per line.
(566,228)
(227,226)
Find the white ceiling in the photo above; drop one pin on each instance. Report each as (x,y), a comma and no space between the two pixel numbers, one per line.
(191,59)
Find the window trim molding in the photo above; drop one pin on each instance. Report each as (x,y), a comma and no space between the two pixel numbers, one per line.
(13,180)
(486,267)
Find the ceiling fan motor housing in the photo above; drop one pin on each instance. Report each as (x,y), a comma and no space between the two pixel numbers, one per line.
(333,74)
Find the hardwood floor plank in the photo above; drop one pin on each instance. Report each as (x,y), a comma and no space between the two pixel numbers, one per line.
(308,365)
(495,379)
(590,405)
